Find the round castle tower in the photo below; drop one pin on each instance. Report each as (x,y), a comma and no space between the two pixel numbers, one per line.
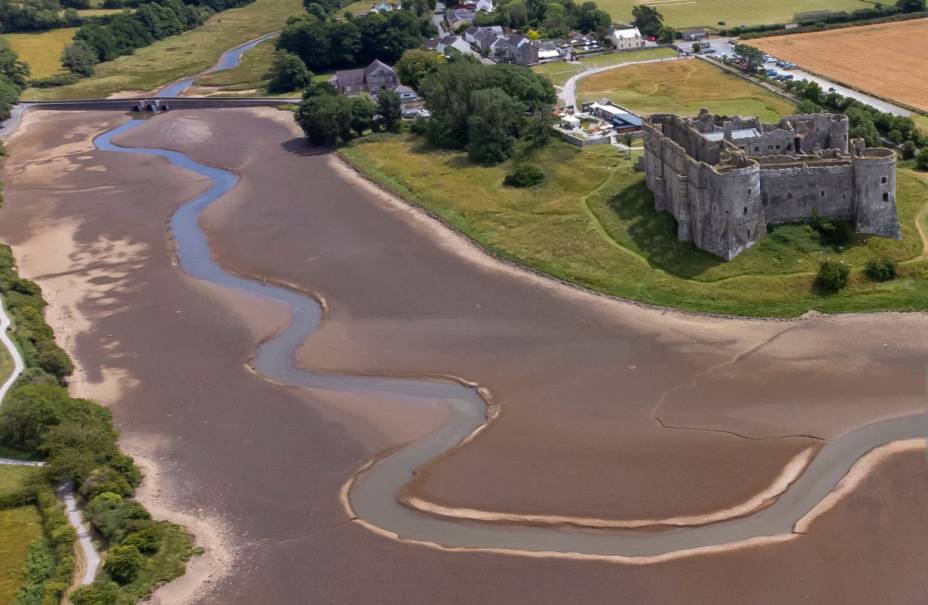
(875,191)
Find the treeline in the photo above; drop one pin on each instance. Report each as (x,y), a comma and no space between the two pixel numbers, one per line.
(37,15)
(866,121)
(324,41)
(14,75)
(551,19)
(121,34)
(492,111)
(78,442)
(877,13)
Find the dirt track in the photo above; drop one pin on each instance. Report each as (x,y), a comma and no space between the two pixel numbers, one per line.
(888,60)
(578,379)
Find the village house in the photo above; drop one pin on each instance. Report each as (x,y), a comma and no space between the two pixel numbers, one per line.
(457,18)
(375,77)
(517,49)
(626,38)
(694,35)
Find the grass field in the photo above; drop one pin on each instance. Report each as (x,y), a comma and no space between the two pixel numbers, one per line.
(693,13)
(14,478)
(20,527)
(593,223)
(683,87)
(559,71)
(42,51)
(178,56)
(883,59)
(252,72)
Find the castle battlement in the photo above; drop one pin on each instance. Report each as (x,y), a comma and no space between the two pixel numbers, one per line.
(726,178)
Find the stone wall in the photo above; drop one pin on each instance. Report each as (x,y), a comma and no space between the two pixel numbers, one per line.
(724,191)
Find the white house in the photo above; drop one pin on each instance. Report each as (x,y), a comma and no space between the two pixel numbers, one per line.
(627,38)
(484,5)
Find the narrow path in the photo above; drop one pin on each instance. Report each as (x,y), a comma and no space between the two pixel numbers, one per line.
(88,552)
(370,495)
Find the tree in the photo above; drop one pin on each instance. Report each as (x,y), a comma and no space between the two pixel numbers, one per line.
(325,119)
(921,160)
(493,126)
(16,71)
(79,58)
(908,150)
(524,175)
(416,64)
(647,19)
(288,72)
(883,269)
(389,109)
(752,56)
(910,6)
(593,19)
(123,563)
(807,106)
(362,114)
(98,593)
(832,276)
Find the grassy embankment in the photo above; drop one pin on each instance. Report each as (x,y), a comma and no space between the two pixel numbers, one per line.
(559,72)
(21,527)
(593,223)
(173,58)
(708,13)
(683,87)
(252,74)
(42,50)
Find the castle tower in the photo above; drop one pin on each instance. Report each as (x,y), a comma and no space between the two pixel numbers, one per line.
(875,192)
(732,218)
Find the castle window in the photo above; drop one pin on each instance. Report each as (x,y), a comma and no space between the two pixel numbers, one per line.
(749,191)
(789,147)
(883,180)
(745,211)
(885,197)
(789,195)
(778,148)
(823,193)
(749,234)
(757,148)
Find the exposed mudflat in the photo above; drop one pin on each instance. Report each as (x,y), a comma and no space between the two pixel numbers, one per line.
(579,380)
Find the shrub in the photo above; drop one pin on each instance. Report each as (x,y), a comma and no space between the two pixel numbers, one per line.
(921,160)
(908,150)
(288,72)
(883,269)
(123,563)
(104,479)
(147,539)
(524,175)
(114,517)
(101,593)
(832,276)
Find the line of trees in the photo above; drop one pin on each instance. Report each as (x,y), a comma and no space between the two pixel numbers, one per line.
(553,19)
(14,75)
(325,41)
(104,40)
(38,15)
(818,20)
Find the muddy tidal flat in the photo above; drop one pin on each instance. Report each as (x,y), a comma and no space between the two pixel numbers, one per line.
(607,411)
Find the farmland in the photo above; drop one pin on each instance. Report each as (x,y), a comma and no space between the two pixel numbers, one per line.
(172,58)
(559,71)
(692,13)
(42,50)
(683,87)
(883,60)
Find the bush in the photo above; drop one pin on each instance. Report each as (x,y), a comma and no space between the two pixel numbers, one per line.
(101,593)
(288,72)
(908,150)
(921,160)
(123,563)
(832,276)
(147,539)
(115,517)
(524,175)
(883,269)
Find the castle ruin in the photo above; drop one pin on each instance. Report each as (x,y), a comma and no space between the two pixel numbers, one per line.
(725,179)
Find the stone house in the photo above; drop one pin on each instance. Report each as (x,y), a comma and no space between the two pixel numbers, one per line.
(375,77)
(627,38)
(694,35)
(517,49)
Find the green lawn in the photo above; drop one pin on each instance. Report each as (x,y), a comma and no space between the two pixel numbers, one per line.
(683,87)
(19,528)
(178,56)
(14,478)
(251,74)
(593,223)
(559,71)
(42,50)
(693,13)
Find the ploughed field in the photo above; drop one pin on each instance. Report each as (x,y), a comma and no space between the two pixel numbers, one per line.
(888,60)
(593,223)
(683,87)
(709,13)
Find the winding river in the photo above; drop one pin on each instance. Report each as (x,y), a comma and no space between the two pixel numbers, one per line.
(370,495)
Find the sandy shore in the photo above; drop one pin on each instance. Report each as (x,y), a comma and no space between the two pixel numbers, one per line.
(579,378)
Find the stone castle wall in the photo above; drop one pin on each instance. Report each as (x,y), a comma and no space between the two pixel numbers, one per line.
(725,191)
